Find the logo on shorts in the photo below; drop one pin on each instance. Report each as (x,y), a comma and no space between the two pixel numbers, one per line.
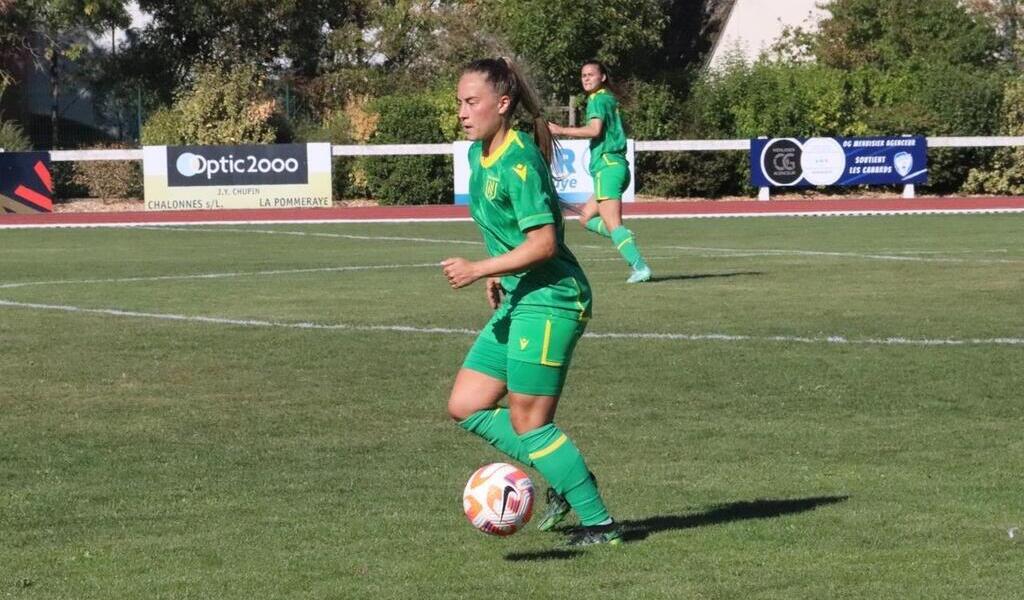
(523,343)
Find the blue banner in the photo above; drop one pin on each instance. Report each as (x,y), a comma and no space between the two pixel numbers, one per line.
(791,162)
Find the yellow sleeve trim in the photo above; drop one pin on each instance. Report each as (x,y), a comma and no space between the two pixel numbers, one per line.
(520,170)
(555,445)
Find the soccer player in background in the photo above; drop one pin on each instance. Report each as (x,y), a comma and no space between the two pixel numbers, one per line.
(539,292)
(602,213)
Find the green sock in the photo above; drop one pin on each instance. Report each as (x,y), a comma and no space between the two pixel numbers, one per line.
(560,462)
(596,224)
(625,244)
(495,426)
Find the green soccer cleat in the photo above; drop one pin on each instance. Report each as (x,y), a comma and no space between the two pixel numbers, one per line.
(556,510)
(640,275)
(609,534)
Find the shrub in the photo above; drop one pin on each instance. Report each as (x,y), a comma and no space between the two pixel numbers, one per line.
(13,138)
(109,179)
(1004,172)
(220,107)
(336,129)
(408,179)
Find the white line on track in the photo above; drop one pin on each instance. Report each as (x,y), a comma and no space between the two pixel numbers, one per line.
(321,234)
(20,284)
(844,213)
(688,337)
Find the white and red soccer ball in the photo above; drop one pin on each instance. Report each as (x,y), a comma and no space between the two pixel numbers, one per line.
(498,499)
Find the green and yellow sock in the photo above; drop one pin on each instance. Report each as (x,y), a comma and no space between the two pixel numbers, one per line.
(560,462)
(596,224)
(626,245)
(495,426)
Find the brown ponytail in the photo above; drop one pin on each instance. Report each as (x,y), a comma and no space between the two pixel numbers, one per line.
(507,80)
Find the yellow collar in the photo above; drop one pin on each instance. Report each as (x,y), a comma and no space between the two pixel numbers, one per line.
(600,91)
(488,161)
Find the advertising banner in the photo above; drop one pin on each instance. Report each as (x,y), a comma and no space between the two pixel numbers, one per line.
(783,162)
(571,171)
(252,176)
(26,185)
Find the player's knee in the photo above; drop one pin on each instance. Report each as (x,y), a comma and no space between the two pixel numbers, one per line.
(458,410)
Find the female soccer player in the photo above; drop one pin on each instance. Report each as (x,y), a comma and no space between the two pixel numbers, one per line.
(538,290)
(602,213)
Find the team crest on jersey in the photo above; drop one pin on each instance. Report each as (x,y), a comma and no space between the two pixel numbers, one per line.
(491,189)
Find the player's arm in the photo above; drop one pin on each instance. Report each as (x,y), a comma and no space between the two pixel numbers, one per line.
(591,130)
(539,247)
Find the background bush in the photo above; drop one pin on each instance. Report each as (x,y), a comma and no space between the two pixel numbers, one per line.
(410,119)
(13,138)
(219,107)
(109,179)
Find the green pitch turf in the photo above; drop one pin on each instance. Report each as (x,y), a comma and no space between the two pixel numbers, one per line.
(227,412)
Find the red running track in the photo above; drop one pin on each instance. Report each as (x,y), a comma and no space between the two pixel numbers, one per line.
(642,210)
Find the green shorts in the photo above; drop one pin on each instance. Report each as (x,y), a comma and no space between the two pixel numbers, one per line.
(529,350)
(611,178)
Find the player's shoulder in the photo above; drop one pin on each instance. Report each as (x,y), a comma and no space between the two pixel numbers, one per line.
(523,151)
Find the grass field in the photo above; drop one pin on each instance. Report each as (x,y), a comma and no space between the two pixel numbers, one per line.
(229,412)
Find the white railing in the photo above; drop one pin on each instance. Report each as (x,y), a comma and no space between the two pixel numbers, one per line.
(641,146)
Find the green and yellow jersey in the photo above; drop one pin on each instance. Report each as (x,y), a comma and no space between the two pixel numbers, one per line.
(511,192)
(609,147)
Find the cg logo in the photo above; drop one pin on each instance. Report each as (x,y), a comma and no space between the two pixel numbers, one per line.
(780,161)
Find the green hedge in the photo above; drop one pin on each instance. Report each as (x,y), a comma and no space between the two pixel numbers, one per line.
(408,119)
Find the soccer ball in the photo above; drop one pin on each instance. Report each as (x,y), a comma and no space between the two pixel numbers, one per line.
(498,499)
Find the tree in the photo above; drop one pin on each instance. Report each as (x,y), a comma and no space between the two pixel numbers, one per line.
(900,36)
(278,35)
(1006,16)
(554,37)
(61,26)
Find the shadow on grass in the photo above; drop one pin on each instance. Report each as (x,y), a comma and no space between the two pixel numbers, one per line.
(636,530)
(544,555)
(659,279)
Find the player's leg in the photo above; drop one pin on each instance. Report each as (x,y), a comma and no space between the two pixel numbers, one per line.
(614,181)
(591,220)
(480,384)
(539,358)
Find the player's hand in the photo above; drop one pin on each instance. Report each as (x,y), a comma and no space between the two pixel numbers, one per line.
(555,129)
(494,292)
(459,271)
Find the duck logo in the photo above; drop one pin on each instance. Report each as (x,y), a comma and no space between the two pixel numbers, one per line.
(25,182)
(903,162)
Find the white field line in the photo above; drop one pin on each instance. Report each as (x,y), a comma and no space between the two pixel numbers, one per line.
(724,252)
(689,337)
(846,213)
(20,284)
(737,252)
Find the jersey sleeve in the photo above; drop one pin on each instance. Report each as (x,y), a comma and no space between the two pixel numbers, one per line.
(531,201)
